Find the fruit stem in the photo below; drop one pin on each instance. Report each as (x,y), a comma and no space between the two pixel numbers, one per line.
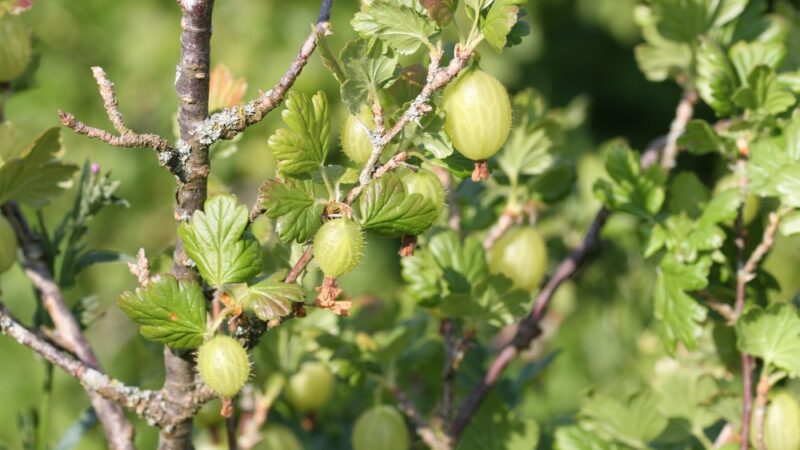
(481,171)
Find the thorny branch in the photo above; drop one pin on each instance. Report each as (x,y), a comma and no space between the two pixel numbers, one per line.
(127,138)
(229,122)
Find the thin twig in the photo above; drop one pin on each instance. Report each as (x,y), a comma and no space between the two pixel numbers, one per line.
(528,328)
(762,391)
(767,241)
(167,156)
(144,403)
(118,429)
(435,440)
(683,114)
(229,122)
(503,224)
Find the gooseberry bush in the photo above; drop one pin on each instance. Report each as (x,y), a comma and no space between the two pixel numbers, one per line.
(502,225)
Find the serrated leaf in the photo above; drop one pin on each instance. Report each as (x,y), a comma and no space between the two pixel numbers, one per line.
(576,438)
(433,138)
(746,56)
(499,21)
(328,59)
(632,189)
(790,224)
(302,147)
(402,28)
(772,334)
(716,78)
(682,20)
(270,298)
(423,276)
(170,312)
(663,60)
(687,395)
(463,263)
(294,205)
(764,94)
(527,152)
(36,177)
(367,67)
(215,241)
(387,209)
(680,314)
(634,421)
(701,138)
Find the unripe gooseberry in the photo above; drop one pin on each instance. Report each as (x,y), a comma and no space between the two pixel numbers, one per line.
(311,387)
(355,141)
(381,427)
(8,245)
(338,246)
(427,184)
(478,114)
(521,255)
(781,423)
(15,47)
(223,365)
(278,437)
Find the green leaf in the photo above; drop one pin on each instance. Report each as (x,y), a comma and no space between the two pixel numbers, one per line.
(36,177)
(499,21)
(791,132)
(404,29)
(687,194)
(271,298)
(302,147)
(576,438)
(632,190)
(746,56)
(701,138)
(716,79)
(368,67)
(170,312)
(294,205)
(790,224)
(215,241)
(663,60)
(772,334)
(463,263)
(680,314)
(764,95)
(495,426)
(328,59)
(424,277)
(386,208)
(682,20)
(433,138)
(527,152)
(687,395)
(634,421)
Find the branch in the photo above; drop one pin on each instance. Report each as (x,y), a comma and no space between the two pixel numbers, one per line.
(434,440)
(144,403)
(167,156)
(118,429)
(683,114)
(229,122)
(528,328)
(762,390)
(767,241)
(191,87)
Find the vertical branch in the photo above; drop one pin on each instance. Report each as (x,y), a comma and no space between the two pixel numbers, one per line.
(191,86)
(762,390)
(683,114)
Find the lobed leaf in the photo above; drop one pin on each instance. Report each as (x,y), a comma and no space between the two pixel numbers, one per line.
(387,209)
(294,205)
(302,147)
(169,311)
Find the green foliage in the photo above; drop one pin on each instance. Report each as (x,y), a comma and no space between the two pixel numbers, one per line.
(169,311)
(34,175)
(302,147)
(772,334)
(632,189)
(387,209)
(295,207)
(400,27)
(270,298)
(215,239)
(367,67)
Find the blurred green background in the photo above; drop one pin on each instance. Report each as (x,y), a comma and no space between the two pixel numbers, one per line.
(576,48)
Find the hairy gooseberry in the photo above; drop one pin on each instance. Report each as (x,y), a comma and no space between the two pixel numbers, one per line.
(223,365)
(478,114)
(311,387)
(15,47)
(781,423)
(338,246)
(521,255)
(355,141)
(381,427)
(427,184)
(8,245)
